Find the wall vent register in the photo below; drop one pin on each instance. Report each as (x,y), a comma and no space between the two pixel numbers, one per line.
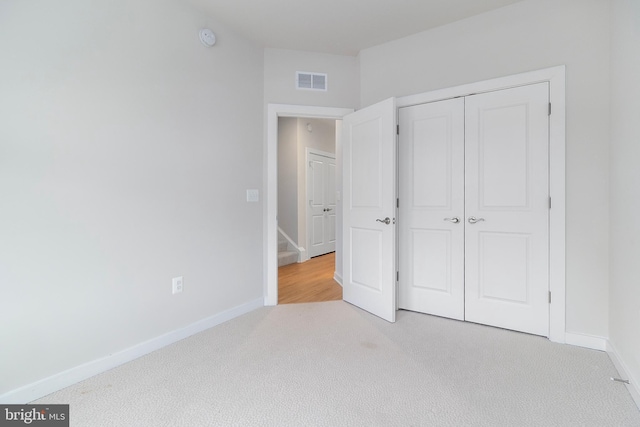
(311,81)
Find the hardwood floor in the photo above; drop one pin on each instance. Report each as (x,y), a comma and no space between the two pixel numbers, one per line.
(310,281)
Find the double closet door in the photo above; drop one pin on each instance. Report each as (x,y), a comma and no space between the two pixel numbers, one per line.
(473,217)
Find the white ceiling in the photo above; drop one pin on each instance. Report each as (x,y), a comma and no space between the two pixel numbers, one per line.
(338,26)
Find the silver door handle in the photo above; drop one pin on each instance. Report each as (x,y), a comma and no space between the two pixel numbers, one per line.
(387,220)
(473,219)
(454,220)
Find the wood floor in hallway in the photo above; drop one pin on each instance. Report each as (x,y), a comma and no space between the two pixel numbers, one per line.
(310,281)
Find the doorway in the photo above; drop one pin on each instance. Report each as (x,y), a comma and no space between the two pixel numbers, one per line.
(307,185)
(271,191)
(307,210)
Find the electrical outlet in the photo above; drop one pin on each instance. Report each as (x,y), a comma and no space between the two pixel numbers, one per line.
(176,285)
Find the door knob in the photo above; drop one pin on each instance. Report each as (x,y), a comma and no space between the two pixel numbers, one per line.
(454,220)
(387,220)
(473,219)
(327,210)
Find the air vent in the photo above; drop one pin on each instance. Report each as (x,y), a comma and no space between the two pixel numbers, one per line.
(311,81)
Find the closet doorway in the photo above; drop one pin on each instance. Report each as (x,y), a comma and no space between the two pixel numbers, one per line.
(474,208)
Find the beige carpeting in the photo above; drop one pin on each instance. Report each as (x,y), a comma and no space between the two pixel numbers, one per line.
(331,364)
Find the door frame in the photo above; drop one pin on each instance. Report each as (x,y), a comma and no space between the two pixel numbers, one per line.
(270,190)
(557,86)
(307,211)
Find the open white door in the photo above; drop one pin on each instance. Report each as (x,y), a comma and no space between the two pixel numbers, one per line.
(369,200)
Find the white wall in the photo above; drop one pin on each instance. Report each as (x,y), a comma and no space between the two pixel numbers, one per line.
(280,66)
(625,182)
(126,148)
(288,176)
(530,35)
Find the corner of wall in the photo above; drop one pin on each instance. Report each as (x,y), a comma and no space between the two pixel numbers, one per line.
(625,374)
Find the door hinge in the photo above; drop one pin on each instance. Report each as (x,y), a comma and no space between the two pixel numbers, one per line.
(397,129)
(549,297)
(397,203)
(397,276)
(549,108)
(549,202)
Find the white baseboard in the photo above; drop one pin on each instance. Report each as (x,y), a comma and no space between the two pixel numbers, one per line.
(623,371)
(337,278)
(79,373)
(303,255)
(603,344)
(588,341)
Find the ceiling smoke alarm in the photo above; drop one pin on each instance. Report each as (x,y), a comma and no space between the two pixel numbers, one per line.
(207,37)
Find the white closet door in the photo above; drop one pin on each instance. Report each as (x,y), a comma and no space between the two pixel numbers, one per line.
(369,195)
(507,209)
(431,215)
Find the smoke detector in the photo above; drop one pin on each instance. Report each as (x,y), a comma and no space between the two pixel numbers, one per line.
(207,37)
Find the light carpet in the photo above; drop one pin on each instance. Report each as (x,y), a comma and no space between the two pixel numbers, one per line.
(332,364)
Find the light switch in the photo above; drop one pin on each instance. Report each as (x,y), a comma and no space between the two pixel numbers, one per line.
(253,195)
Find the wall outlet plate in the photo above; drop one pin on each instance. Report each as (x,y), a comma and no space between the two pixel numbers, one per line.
(176,285)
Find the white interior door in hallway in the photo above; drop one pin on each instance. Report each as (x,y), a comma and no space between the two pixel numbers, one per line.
(321,212)
(474,208)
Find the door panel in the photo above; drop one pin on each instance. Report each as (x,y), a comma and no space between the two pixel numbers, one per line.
(431,189)
(507,192)
(364,274)
(431,273)
(368,196)
(317,231)
(504,164)
(366,156)
(505,260)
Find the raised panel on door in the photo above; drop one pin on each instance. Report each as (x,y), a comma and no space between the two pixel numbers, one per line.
(369,172)
(431,213)
(507,209)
